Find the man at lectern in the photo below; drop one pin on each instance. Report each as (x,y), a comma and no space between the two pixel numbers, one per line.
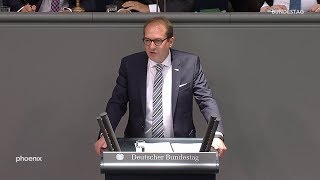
(159,84)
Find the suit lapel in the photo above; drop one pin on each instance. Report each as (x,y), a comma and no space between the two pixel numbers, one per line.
(142,79)
(175,62)
(38,5)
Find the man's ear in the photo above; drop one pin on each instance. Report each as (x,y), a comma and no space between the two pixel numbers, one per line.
(171,41)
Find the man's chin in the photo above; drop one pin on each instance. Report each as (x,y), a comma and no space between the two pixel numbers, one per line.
(153,57)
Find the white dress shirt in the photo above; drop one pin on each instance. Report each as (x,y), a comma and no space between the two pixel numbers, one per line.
(153,8)
(166,97)
(305,4)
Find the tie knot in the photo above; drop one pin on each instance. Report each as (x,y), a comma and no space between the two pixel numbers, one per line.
(159,67)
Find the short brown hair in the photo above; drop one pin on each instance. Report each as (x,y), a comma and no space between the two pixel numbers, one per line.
(161,20)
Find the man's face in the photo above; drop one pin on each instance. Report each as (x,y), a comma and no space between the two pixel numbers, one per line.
(157,31)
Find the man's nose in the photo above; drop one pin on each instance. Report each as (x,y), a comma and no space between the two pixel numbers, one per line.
(152,45)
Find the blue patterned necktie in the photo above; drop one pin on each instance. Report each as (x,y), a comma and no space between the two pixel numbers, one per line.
(157,114)
(55,5)
(295,5)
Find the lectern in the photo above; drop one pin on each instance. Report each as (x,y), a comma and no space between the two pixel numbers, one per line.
(131,165)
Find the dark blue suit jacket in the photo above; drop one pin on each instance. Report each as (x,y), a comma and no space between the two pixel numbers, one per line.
(211,4)
(172,5)
(131,87)
(15,5)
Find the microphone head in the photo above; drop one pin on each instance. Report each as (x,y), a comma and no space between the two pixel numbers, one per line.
(103,114)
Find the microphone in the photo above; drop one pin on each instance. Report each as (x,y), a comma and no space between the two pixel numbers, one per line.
(209,135)
(105,134)
(111,134)
(157,6)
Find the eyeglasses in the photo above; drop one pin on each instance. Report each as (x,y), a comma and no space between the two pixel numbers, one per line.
(157,42)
